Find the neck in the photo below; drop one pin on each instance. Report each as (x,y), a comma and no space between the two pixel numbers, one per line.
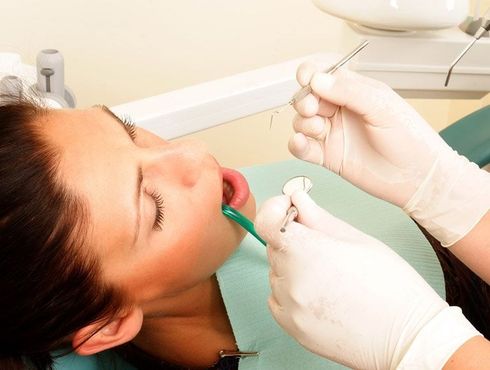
(189,329)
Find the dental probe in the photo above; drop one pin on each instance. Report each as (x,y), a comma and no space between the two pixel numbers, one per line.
(307,89)
(485,27)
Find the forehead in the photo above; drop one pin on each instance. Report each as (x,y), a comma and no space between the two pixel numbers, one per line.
(95,164)
(80,136)
(74,125)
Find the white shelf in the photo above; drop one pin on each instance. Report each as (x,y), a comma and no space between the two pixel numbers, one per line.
(416,64)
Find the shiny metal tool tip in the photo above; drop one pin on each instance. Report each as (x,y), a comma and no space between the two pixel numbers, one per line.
(307,89)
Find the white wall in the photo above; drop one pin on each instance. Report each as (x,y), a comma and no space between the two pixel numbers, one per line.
(117,51)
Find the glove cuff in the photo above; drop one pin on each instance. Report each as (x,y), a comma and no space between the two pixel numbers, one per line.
(438,340)
(452,199)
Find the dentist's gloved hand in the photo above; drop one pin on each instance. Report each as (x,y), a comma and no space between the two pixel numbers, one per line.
(362,130)
(348,297)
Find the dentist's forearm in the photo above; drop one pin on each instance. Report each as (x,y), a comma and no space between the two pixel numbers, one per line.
(474,249)
(472,355)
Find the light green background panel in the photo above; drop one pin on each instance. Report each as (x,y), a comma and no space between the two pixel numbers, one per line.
(380,219)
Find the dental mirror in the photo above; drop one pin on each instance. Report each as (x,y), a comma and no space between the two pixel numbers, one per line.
(293,184)
(297,183)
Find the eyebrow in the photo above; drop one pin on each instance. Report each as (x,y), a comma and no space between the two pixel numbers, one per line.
(139,178)
(111,113)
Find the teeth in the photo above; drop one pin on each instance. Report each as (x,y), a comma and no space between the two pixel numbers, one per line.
(227,191)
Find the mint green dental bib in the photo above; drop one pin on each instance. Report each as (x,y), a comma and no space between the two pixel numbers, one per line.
(243,279)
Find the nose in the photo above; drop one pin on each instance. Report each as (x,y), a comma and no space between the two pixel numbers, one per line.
(179,161)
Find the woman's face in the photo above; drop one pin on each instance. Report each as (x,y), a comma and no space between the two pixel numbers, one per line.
(154,206)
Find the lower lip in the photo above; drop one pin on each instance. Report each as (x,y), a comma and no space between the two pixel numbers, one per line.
(241,191)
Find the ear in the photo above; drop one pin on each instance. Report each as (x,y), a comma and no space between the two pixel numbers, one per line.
(120,330)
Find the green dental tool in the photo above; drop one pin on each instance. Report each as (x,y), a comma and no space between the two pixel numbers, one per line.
(240,219)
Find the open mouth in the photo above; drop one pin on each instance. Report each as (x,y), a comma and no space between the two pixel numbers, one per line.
(235,188)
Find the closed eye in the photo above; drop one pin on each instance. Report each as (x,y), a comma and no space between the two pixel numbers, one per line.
(159,215)
(129,126)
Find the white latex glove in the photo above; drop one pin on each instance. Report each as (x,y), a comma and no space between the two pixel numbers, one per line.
(348,297)
(362,130)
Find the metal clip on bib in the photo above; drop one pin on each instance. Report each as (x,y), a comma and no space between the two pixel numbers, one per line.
(225,353)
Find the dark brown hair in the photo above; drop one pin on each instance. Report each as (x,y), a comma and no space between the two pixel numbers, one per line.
(50,286)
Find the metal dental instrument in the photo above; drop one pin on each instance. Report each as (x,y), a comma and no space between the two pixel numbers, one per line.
(293,184)
(485,27)
(307,89)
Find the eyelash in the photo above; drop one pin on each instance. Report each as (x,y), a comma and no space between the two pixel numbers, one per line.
(130,126)
(159,218)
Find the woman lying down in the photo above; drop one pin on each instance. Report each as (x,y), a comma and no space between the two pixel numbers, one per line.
(110,238)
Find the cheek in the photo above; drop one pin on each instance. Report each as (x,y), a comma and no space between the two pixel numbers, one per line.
(188,259)
(191,246)
(196,239)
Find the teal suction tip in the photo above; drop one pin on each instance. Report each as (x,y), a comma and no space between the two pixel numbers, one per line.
(243,221)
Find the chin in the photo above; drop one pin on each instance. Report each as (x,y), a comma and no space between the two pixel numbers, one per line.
(249,209)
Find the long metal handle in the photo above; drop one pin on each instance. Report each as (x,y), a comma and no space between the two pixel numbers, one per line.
(307,89)
(485,27)
(291,214)
(455,61)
